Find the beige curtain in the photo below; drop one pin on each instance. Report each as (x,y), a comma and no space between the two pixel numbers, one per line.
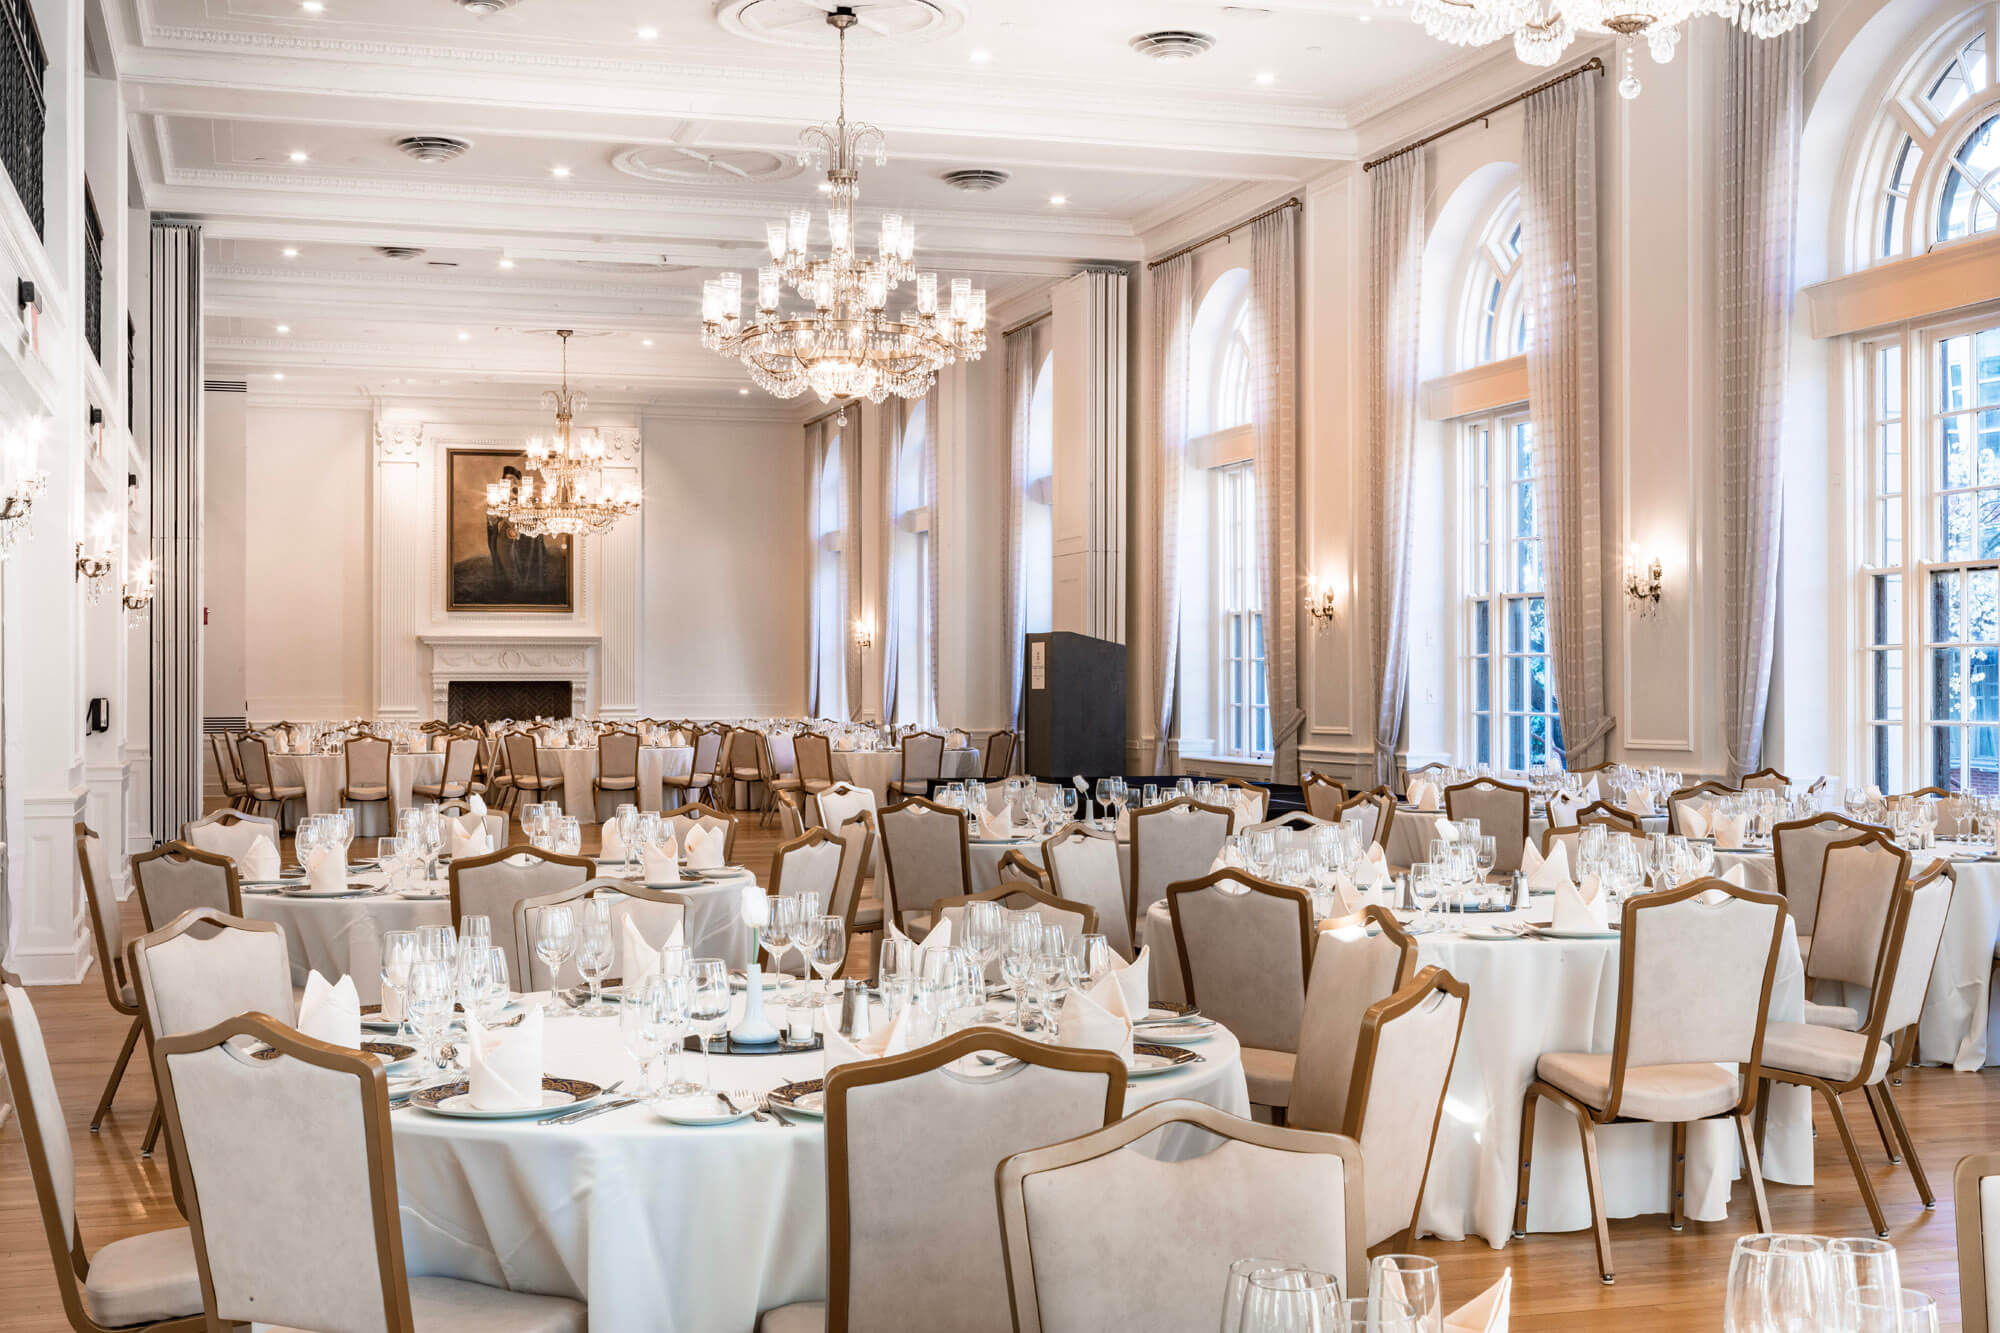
(1173,323)
(1395,285)
(1274,344)
(1559,270)
(889,632)
(1024,354)
(850,436)
(817,437)
(1760,151)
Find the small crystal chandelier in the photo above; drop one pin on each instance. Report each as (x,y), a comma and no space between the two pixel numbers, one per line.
(17,503)
(1543,29)
(138,594)
(849,345)
(566,495)
(95,563)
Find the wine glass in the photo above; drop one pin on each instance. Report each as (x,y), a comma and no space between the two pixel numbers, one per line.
(305,841)
(1867,1281)
(897,976)
(1260,847)
(829,948)
(1424,888)
(1103,796)
(399,951)
(1291,1300)
(805,938)
(708,1005)
(555,942)
(493,998)
(1777,1284)
(639,1026)
(1017,960)
(430,1007)
(470,972)
(568,840)
(1486,851)
(1408,1282)
(777,935)
(627,819)
(596,954)
(1051,972)
(984,929)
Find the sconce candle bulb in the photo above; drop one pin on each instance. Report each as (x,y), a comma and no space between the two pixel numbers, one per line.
(1643,584)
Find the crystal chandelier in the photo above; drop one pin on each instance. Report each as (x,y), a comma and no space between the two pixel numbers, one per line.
(17,509)
(566,495)
(1542,29)
(849,345)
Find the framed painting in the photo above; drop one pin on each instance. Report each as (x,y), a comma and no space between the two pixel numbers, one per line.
(491,566)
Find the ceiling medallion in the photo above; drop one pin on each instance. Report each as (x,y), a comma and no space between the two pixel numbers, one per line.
(849,345)
(572,498)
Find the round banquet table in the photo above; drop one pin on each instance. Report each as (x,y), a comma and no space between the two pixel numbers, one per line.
(713,927)
(1531,997)
(1410,833)
(661,1228)
(323,775)
(876,769)
(576,768)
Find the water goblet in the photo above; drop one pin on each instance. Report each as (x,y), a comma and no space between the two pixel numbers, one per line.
(708,1005)
(399,951)
(555,942)
(596,954)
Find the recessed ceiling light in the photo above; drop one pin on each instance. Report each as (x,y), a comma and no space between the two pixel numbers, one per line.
(560,173)
(291,253)
(981,56)
(284,328)
(645,342)
(279,375)
(506,263)
(298,155)
(649,34)
(1058,199)
(312,6)
(1265,78)
(464,337)
(744,392)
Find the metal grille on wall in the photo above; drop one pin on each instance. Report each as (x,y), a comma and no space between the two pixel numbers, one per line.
(93,276)
(508,700)
(23,108)
(174,401)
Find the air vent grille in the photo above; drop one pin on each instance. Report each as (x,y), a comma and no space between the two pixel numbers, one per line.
(485,6)
(400,251)
(1173,44)
(976,179)
(432,147)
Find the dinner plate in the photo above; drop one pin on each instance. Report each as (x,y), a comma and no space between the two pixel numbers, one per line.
(702,1109)
(1149,1060)
(737,980)
(718,872)
(1177,1034)
(455,1099)
(806,1096)
(1492,933)
(1163,1009)
(1551,933)
(386,1052)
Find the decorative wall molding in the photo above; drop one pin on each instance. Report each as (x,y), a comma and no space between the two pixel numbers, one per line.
(511,657)
(398,441)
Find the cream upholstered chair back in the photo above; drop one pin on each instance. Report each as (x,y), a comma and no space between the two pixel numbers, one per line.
(996,757)
(1798,849)
(1567,838)
(1354,967)
(177,878)
(490,885)
(1083,867)
(1371,814)
(1502,812)
(256,757)
(1766,779)
(460,754)
(812,759)
(230,832)
(654,913)
(1323,796)
(1018,895)
(857,837)
(1245,952)
(912,1144)
(225,770)
(842,801)
(791,814)
(367,764)
(808,864)
(1409,1043)
(1179,1224)
(1173,842)
(206,967)
(31,1083)
(496,820)
(256,1137)
(684,818)
(1859,881)
(1702,796)
(618,756)
(925,853)
(1908,979)
(107,927)
(1694,981)
(1603,812)
(1291,830)
(524,759)
(923,758)
(707,751)
(1975,1190)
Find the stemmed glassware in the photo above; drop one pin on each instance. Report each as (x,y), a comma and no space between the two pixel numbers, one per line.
(628,829)
(708,1005)
(829,948)
(430,1007)
(1778,1284)
(568,839)
(639,1025)
(1018,964)
(494,996)
(1292,1300)
(596,954)
(555,943)
(776,937)
(1866,1283)
(1260,849)
(898,974)
(1408,1283)
(399,951)
(984,929)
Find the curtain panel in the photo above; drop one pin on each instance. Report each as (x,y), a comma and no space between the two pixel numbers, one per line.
(1274,344)
(850,437)
(889,631)
(1559,271)
(1395,285)
(1024,354)
(1173,326)
(1760,151)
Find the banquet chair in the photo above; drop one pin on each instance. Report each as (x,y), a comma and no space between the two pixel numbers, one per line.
(1705,793)
(1355,966)
(1020,865)
(1083,867)
(1020,895)
(1324,797)
(841,802)
(1178,1224)
(258,1136)
(926,855)
(748,768)
(367,762)
(791,815)
(858,834)
(499,779)
(175,878)
(923,765)
(264,791)
(700,777)
(107,930)
(230,741)
(812,761)
(685,817)
(455,781)
(1895,963)
(1603,812)
(1173,841)
(524,771)
(1567,838)
(490,885)
(1975,1199)
(1375,812)
(812,863)
(226,776)
(1798,853)
(1858,878)
(775,780)
(496,820)
(146,1281)
(996,756)
(1245,947)
(653,912)
(1502,812)
(230,832)
(909,1249)
(1768,779)
(1289,830)
(1694,987)
(1408,1046)
(617,770)
(1242,791)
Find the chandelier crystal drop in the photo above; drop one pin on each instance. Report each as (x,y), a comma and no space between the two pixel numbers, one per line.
(565,494)
(848,345)
(1543,29)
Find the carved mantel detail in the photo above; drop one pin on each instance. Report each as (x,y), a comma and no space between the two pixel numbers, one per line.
(513,657)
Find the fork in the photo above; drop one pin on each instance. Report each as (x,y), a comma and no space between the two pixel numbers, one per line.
(765,1111)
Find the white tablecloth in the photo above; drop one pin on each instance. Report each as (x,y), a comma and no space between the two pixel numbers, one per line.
(577,769)
(323,775)
(714,923)
(662,1229)
(876,769)
(1529,998)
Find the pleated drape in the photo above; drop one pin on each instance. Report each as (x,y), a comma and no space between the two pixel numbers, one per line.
(1395,287)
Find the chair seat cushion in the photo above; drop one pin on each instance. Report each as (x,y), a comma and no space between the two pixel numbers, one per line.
(1832,1016)
(447,1305)
(617,784)
(1667,1094)
(365,793)
(868,918)
(785,782)
(1269,1074)
(144,1279)
(816,785)
(1821,1052)
(805,1317)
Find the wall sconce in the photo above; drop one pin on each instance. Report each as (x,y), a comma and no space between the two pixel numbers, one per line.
(1643,585)
(138,597)
(864,635)
(17,501)
(1320,603)
(93,567)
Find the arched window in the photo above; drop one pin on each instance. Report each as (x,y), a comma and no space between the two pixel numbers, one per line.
(1493,324)
(1937,149)
(829,615)
(1038,526)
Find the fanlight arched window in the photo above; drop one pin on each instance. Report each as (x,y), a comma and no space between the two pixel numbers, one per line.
(1936,153)
(1494,324)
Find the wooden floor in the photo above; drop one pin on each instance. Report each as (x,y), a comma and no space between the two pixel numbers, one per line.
(1665,1280)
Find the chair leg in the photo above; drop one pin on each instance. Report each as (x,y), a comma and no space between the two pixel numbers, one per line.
(153,1128)
(1677,1205)
(1763,1108)
(117,1074)
(1528,1107)
(1753,1167)
(1881,1126)
(1854,1159)
(1593,1179)
(1909,1146)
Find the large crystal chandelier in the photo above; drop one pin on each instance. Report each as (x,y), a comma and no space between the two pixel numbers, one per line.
(1542,29)
(566,495)
(849,345)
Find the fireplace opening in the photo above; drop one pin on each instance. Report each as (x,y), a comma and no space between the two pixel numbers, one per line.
(501,700)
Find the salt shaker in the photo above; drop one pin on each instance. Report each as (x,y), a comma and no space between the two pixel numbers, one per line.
(854,1015)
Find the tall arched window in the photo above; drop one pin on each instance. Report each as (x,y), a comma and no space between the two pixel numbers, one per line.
(1038,524)
(1494,322)
(829,614)
(913,551)
(1936,153)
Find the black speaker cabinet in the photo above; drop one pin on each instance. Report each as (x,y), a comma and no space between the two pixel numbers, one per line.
(1074,701)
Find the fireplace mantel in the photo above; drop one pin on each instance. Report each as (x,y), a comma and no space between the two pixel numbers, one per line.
(500,656)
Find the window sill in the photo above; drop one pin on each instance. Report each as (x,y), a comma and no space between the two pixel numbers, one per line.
(1199,762)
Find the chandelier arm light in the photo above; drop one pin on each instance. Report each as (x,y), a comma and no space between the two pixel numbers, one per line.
(566,494)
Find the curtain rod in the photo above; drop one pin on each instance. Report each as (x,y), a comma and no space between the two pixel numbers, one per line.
(1293,202)
(1027,323)
(1590,66)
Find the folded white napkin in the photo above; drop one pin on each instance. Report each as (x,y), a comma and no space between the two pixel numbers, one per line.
(1099,1018)
(704,847)
(1423,795)
(638,959)
(889,1039)
(475,810)
(261,861)
(460,844)
(326,870)
(1552,873)
(1249,808)
(1736,875)
(1132,981)
(1124,826)
(995,824)
(662,864)
(613,847)
(1727,830)
(1580,906)
(940,936)
(1563,808)
(1874,792)
(1486,1312)
(1446,830)
(504,1065)
(230,840)
(331,1013)
(1694,818)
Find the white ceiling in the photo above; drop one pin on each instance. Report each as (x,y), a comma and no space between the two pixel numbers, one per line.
(673,123)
